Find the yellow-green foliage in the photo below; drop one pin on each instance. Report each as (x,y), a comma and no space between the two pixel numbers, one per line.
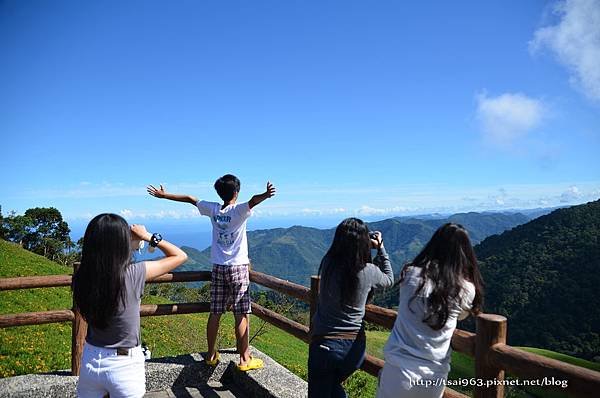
(40,348)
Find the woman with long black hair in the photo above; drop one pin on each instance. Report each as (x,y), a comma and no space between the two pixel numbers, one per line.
(107,289)
(348,276)
(439,287)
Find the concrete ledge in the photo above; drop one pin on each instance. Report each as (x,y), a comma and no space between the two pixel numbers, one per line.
(271,381)
(182,371)
(39,385)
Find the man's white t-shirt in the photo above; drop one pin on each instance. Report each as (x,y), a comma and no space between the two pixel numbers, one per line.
(229,241)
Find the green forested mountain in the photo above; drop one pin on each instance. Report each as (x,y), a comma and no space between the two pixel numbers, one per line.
(545,277)
(197,260)
(295,253)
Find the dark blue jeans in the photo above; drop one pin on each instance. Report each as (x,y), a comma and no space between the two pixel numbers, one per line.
(330,362)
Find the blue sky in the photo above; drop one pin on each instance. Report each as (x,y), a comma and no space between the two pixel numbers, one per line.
(372,109)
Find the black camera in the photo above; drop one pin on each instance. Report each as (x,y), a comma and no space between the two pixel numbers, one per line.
(373,235)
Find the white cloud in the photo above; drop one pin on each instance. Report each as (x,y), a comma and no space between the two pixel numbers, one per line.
(158,215)
(365,210)
(571,194)
(404,200)
(509,116)
(126,213)
(500,198)
(575,41)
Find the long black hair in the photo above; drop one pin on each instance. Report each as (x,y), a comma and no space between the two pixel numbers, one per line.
(446,261)
(98,282)
(349,253)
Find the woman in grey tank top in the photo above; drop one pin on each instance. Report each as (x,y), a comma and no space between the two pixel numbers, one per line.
(348,275)
(107,289)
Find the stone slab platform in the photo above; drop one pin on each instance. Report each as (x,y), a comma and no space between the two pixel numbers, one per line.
(183,375)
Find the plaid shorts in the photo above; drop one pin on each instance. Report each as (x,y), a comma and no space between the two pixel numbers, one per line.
(229,289)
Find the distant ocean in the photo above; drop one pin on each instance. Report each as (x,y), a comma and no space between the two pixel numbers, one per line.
(197,233)
(180,236)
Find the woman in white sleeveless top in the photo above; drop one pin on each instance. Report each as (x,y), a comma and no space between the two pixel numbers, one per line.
(439,287)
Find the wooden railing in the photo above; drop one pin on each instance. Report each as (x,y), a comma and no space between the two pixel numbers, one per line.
(493,357)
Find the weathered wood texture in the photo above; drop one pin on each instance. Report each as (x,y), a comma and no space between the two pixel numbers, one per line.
(184,276)
(314,297)
(173,309)
(380,316)
(78,333)
(32,282)
(300,292)
(580,382)
(36,318)
(491,330)
(464,342)
(35,282)
(294,328)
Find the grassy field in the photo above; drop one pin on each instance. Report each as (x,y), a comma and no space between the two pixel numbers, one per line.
(34,349)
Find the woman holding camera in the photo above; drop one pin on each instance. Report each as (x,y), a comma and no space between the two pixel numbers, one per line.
(348,276)
(441,286)
(107,289)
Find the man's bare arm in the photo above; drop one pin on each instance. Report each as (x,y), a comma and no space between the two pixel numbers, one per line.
(162,194)
(256,199)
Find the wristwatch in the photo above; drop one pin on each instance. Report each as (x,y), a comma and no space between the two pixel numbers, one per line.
(155,239)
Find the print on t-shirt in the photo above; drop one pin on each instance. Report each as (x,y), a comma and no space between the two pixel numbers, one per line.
(224,238)
(229,242)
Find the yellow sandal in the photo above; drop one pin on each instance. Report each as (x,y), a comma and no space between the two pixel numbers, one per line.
(253,363)
(215,361)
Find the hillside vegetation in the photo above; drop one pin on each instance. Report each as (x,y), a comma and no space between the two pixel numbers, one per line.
(544,276)
(32,349)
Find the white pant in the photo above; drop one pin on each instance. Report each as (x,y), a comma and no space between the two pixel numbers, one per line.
(395,382)
(104,372)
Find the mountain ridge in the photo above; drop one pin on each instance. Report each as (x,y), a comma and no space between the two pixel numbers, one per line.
(295,253)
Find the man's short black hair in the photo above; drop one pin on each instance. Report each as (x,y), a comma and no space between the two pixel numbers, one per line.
(227,186)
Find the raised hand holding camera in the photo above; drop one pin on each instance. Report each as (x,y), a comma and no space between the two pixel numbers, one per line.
(376,239)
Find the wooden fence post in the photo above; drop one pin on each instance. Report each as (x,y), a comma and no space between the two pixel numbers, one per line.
(314,296)
(78,333)
(491,330)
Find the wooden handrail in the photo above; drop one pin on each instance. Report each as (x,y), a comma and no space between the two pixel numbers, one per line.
(287,325)
(372,365)
(173,308)
(380,316)
(464,342)
(183,276)
(300,292)
(36,318)
(57,316)
(35,282)
(581,381)
(491,330)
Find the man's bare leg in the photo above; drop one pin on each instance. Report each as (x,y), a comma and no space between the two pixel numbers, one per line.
(212,329)
(242,336)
